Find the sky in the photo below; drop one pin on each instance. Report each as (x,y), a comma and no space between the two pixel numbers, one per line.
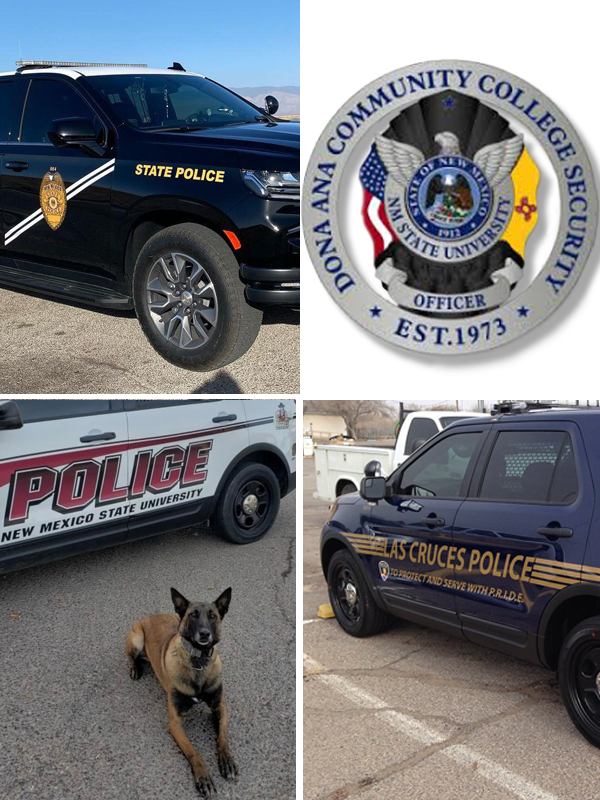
(236,42)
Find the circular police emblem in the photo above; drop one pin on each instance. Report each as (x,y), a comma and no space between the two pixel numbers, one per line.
(384,570)
(449,200)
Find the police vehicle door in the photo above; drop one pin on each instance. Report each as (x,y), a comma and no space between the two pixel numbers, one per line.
(56,200)
(534,482)
(416,523)
(181,449)
(58,472)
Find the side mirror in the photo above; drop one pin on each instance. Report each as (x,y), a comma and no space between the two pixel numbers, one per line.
(373,489)
(271,104)
(416,444)
(10,416)
(73,132)
(373,469)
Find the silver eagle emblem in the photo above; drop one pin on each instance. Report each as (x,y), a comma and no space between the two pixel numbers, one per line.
(496,161)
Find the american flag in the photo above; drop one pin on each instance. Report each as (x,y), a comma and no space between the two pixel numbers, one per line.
(373,176)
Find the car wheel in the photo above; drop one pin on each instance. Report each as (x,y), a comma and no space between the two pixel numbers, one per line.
(351,598)
(347,488)
(579,677)
(190,300)
(248,504)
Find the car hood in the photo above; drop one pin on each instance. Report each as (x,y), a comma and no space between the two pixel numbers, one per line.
(259,145)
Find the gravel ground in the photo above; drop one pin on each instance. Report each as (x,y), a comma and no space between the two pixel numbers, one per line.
(64,348)
(74,725)
(415,713)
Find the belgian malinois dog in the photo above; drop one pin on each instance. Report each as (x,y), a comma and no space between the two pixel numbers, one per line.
(182,649)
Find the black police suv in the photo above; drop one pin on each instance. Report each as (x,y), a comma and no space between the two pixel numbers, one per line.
(489,532)
(159,190)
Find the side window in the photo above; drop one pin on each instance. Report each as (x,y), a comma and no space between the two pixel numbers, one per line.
(531,467)
(49,100)
(420,430)
(440,472)
(6,98)
(140,405)
(38,410)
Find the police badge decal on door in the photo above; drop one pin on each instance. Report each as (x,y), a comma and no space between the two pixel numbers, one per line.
(449,198)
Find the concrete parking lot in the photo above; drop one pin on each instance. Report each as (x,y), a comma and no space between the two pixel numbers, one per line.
(54,347)
(413,713)
(74,725)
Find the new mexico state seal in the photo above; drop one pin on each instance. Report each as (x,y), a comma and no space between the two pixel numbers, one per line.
(449,199)
(53,198)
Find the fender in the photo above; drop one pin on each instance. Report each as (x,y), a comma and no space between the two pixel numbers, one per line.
(255,448)
(171,210)
(338,536)
(564,595)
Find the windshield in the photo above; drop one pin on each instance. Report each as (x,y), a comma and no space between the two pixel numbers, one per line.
(449,420)
(165,101)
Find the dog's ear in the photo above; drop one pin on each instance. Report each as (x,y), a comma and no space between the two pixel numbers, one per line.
(179,602)
(222,602)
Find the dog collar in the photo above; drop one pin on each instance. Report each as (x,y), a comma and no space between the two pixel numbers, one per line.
(199,657)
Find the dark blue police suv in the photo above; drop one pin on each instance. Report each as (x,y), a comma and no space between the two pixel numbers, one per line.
(489,532)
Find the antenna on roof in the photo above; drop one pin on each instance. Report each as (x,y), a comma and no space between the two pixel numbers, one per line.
(177,66)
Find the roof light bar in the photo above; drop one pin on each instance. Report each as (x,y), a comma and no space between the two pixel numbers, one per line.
(72,64)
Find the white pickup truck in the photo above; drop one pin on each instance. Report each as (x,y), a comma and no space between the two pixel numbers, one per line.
(340,468)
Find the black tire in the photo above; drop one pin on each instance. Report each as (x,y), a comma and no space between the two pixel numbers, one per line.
(363,617)
(348,488)
(229,518)
(578,677)
(237,323)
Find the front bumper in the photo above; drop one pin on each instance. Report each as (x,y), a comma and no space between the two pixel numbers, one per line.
(267,285)
(271,286)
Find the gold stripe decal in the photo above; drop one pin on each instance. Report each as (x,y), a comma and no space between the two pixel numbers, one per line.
(465,562)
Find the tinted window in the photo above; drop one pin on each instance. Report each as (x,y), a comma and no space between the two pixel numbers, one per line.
(162,101)
(441,471)
(6,97)
(531,467)
(37,410)
(47,101)
(420,429)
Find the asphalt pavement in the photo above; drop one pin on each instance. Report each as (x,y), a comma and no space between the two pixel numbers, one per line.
(72,722)
(414,713)
(51,347)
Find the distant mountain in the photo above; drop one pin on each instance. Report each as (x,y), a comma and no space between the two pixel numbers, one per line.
(288,96)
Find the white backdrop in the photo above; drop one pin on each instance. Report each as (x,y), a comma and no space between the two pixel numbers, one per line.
(347,45)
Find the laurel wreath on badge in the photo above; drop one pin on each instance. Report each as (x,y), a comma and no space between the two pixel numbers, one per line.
(449,200)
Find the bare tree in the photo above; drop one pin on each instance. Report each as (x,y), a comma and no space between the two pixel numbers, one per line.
(352,411)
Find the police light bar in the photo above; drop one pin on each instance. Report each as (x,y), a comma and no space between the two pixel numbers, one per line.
(71,64)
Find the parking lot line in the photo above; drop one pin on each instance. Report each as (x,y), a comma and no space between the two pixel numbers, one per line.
(461,754)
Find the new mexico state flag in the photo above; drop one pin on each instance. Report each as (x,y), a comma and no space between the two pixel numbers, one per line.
(525,177)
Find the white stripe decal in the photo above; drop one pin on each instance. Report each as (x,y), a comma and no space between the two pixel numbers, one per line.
(25,221)
(89,183)
(73,190)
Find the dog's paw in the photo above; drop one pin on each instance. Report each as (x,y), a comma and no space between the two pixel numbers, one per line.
(227,766)
(135,671)
(205,786)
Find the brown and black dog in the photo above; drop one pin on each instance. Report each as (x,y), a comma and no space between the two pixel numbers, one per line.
(182,649)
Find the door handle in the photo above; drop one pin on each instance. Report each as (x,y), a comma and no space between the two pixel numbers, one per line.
(225,418)
(562,533)
(436,522)
(98,437)
(17,166)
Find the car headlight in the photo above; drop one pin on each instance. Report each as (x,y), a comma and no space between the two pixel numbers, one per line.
(272,185)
